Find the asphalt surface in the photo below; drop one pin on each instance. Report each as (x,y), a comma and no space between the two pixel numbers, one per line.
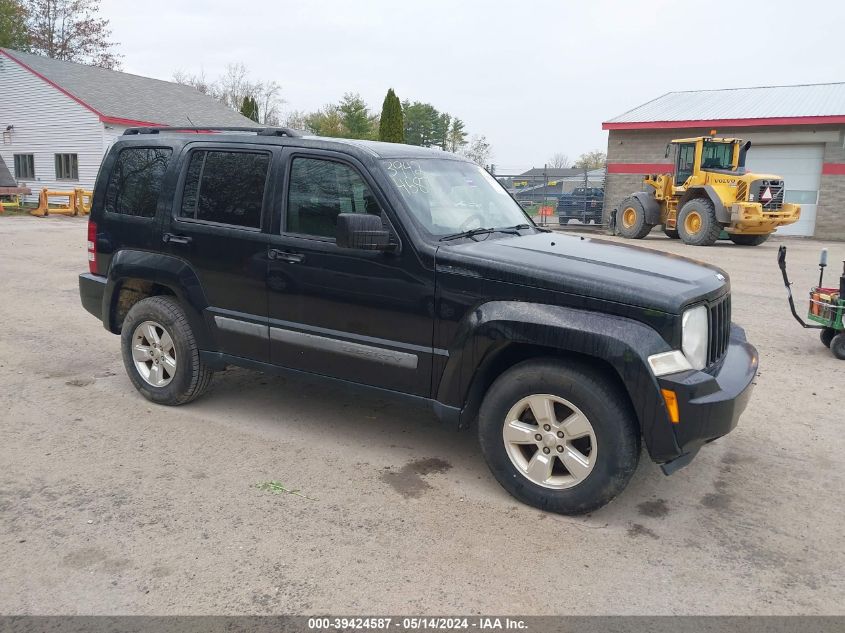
(112,505)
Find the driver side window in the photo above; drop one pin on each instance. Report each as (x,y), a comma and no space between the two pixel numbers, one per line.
(319,191)
(686,158)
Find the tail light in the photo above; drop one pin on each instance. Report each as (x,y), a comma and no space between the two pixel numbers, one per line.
(92,248)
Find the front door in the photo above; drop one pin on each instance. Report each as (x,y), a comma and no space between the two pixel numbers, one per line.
(362,316)
(216,227)
(684,163)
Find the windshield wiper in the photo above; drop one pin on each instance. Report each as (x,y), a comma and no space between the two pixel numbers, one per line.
(512,230)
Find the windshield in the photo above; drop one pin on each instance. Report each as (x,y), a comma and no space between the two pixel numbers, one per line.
(450,196)
(717,155)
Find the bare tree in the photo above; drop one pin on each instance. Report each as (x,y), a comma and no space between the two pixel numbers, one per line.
(269,102)
(199,82)
(296,119)
(559,161)
(478,150)
(71,30)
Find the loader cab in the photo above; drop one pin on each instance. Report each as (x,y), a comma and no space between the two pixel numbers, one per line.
(709,154)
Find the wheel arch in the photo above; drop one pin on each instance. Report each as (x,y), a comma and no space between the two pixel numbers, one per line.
(136,275)
(723,213)
(500,334)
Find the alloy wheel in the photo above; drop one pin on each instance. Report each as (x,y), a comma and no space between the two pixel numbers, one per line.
(154,354)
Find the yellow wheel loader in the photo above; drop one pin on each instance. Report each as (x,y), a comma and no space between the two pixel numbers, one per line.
(709,192)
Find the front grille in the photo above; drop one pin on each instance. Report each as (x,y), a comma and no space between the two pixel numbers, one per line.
(775,189)
(719,330)
(741,191)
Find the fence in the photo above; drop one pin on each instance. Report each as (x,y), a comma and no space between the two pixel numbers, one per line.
(575,195)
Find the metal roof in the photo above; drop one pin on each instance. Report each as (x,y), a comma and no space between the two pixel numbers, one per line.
(122,97)
(780,104)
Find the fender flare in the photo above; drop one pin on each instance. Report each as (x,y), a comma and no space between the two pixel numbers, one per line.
(164,270)
(723,213)
(621,343)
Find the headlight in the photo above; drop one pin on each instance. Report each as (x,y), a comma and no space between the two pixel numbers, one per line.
(694,336)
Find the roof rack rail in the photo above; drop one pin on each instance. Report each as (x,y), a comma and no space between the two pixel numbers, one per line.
(261,131)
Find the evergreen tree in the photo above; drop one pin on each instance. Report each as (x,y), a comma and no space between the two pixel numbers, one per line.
(249,108)
(392,125)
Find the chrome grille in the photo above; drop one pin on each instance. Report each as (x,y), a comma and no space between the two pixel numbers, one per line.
(719,331)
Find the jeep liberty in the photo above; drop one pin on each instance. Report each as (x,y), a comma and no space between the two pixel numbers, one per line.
(411,272)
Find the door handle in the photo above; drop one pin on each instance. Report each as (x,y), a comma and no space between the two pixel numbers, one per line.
(285,256)
(169,238)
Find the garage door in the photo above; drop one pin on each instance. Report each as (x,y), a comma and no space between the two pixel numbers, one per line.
(801,169)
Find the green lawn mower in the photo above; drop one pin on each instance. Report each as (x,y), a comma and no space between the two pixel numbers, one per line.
(826,306)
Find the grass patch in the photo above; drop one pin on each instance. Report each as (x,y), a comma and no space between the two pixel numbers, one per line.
(277,488)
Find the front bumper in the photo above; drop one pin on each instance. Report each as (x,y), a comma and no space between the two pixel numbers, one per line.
(710,402)
(751,218)
(91,290)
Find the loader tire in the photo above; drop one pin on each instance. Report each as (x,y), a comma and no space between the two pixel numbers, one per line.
(748,240)
(630,220)
(697,224)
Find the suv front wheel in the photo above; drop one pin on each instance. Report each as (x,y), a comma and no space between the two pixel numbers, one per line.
(160,353)
(559,436)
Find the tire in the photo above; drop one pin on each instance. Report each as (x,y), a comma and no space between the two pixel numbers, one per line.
(630,220)
(175,375)
(671,233)
(606,457)
(837,346)
(697,223)
(748,240)
(826,336)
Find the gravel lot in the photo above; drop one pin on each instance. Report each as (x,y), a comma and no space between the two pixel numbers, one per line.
(109,504)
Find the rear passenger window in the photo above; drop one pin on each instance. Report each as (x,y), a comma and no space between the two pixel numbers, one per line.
(322,189)
(225,187)
(135,181)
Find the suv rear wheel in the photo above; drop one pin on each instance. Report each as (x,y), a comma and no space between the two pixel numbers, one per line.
(160,353)
(559,436)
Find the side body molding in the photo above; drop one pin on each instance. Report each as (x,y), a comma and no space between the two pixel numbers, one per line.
(173,273)
(623,343)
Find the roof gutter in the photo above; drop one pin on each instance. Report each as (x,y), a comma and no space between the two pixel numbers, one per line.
(706,123)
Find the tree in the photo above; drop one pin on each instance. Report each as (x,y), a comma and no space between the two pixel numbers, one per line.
(391,126)
(327,121)
(13,29)
(559,161)
(591,160)
(249,108)
(478,150)
(197,82)
(355,116)
(421,121)
(457,138)
(71,30)
(296,120)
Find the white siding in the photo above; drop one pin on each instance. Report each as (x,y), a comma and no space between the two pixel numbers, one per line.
(46,122)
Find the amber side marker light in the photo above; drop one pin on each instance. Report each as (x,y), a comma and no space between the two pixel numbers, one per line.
(671,405)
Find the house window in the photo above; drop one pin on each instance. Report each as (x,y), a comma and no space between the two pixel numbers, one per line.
(24,167)
(225,187)
(67,167)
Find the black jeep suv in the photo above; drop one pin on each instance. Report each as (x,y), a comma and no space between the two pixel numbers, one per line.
(413,272)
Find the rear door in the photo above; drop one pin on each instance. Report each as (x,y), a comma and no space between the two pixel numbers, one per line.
(219,226)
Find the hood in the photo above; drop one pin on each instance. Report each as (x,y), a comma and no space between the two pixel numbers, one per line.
(588,267)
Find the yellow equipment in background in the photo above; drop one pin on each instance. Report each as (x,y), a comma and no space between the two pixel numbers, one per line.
(78,203)
(709,192)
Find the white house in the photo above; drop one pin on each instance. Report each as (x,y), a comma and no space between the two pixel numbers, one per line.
(58,118)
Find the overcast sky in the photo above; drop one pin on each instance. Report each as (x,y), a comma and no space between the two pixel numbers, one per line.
(534,77)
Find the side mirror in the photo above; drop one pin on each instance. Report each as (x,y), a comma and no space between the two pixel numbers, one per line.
(362,231)
(668,149)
